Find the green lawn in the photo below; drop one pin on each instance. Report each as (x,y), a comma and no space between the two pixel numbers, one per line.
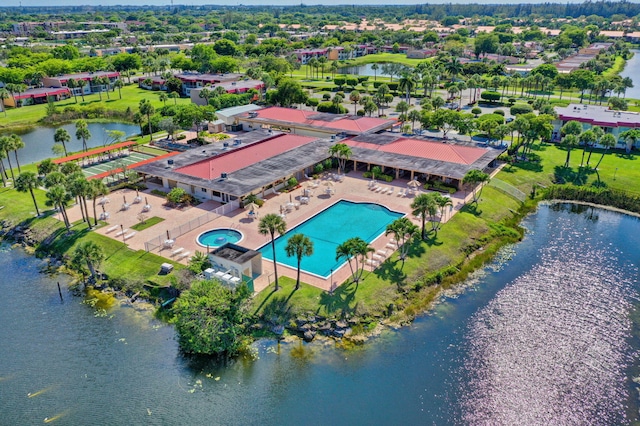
(131,97)
(147,223)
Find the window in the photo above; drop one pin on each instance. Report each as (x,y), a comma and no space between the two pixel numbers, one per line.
(203,189)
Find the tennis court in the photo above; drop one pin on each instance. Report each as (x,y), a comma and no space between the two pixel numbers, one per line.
(116,163)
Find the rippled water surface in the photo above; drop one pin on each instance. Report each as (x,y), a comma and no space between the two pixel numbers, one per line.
(546,336)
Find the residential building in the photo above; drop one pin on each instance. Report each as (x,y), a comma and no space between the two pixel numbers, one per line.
(611,121)
(90,87)
(236,87)
(34,96)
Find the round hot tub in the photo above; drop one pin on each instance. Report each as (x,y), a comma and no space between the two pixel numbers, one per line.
(218,237)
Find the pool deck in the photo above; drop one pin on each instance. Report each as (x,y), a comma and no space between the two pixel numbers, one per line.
(353,188)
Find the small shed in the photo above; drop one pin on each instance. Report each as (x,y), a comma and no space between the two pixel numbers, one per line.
(237,260)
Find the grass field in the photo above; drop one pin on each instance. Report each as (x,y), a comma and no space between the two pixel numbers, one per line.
(131,97)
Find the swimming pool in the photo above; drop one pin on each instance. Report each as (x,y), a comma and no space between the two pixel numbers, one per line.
(218,237)
(328,229)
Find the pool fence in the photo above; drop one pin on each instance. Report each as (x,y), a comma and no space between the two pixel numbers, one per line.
(178,231)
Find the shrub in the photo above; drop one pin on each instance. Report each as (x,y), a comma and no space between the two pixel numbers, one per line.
(386,178)
(318,168)
(159,193)
(490,96)
(360,113)
(326,96)
(476,111)
(339,81)
(499,112)
(330,107)
(292,182)
(520,109)
(440,186)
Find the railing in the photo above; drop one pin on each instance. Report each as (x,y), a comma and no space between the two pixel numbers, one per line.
(508,189)
(174,233)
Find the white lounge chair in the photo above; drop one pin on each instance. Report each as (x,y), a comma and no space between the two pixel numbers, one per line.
(126,237)
(372,262)
(183,255)
(177,251)
(390,191)
(113,228)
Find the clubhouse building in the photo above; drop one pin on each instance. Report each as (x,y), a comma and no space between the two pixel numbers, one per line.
(282,143)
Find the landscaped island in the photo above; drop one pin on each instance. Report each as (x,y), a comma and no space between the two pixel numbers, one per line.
(453,141)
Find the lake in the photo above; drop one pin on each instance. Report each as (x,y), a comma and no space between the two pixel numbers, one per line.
(547,334)
(631,69)
(39,141)
(363,70)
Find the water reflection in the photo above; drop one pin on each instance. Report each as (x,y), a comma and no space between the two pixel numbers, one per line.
(551,347)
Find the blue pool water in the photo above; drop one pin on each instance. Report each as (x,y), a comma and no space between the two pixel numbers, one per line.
(218,237)
(328,229)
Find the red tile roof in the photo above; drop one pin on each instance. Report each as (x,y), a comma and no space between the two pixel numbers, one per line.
(344,123)
(95,151)
(237,159)
(449,153)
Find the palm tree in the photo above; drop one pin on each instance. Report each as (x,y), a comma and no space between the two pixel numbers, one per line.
(299,245)
(82,133)
(3,171)
(588,138)
(375,69)
(27,181)
(420,207)
(476,179)
(97,189)
(81,83)
(163,97)
(174,96)
(354,249)
(269,225)
(62,136)
(342,152)
(72,84)
(354,97)
(97,83)
(407,83)
(16,144)
(6,145)
(403,231)
(89,253)
(453,67)
(119,84)
(106,82)
(607,141)
(58,197)
(4,94)
(573,129)
(442,202)
(147,109)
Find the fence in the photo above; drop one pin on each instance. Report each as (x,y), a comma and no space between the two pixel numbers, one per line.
(174,233)
(508,189)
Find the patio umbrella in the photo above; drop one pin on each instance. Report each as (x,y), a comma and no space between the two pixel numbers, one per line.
(168,236)
(125,199)
(328,183)
(103,210)
(414,183)
(251,206)
(145,201)
(290,198)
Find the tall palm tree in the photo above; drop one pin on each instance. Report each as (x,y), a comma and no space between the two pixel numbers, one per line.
(83,133)
(299,245)
(97,189)
(476,179)
(28,181)
(354,97)
(342,152)
(89,253)
(607,141)
(442,202)
(420,207)
(81,83)
(3,171)
(573,129)
(58,197)
(403,231)
(269,225)
(106,82)
(97,83)
(163,97)
(62,136)
(354,249)
(375,69)
(119,84)
(16,144)
(6,145)
(453,68)
(407,83)
(147,109)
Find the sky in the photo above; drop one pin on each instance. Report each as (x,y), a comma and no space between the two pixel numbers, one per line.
(255,2)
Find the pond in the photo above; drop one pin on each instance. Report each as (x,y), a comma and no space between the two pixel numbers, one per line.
(547,334)
(632,70)
(39,141)
(363,70)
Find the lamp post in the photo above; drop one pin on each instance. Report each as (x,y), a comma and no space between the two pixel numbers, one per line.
(331,283)
(122,231)
(614,173)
